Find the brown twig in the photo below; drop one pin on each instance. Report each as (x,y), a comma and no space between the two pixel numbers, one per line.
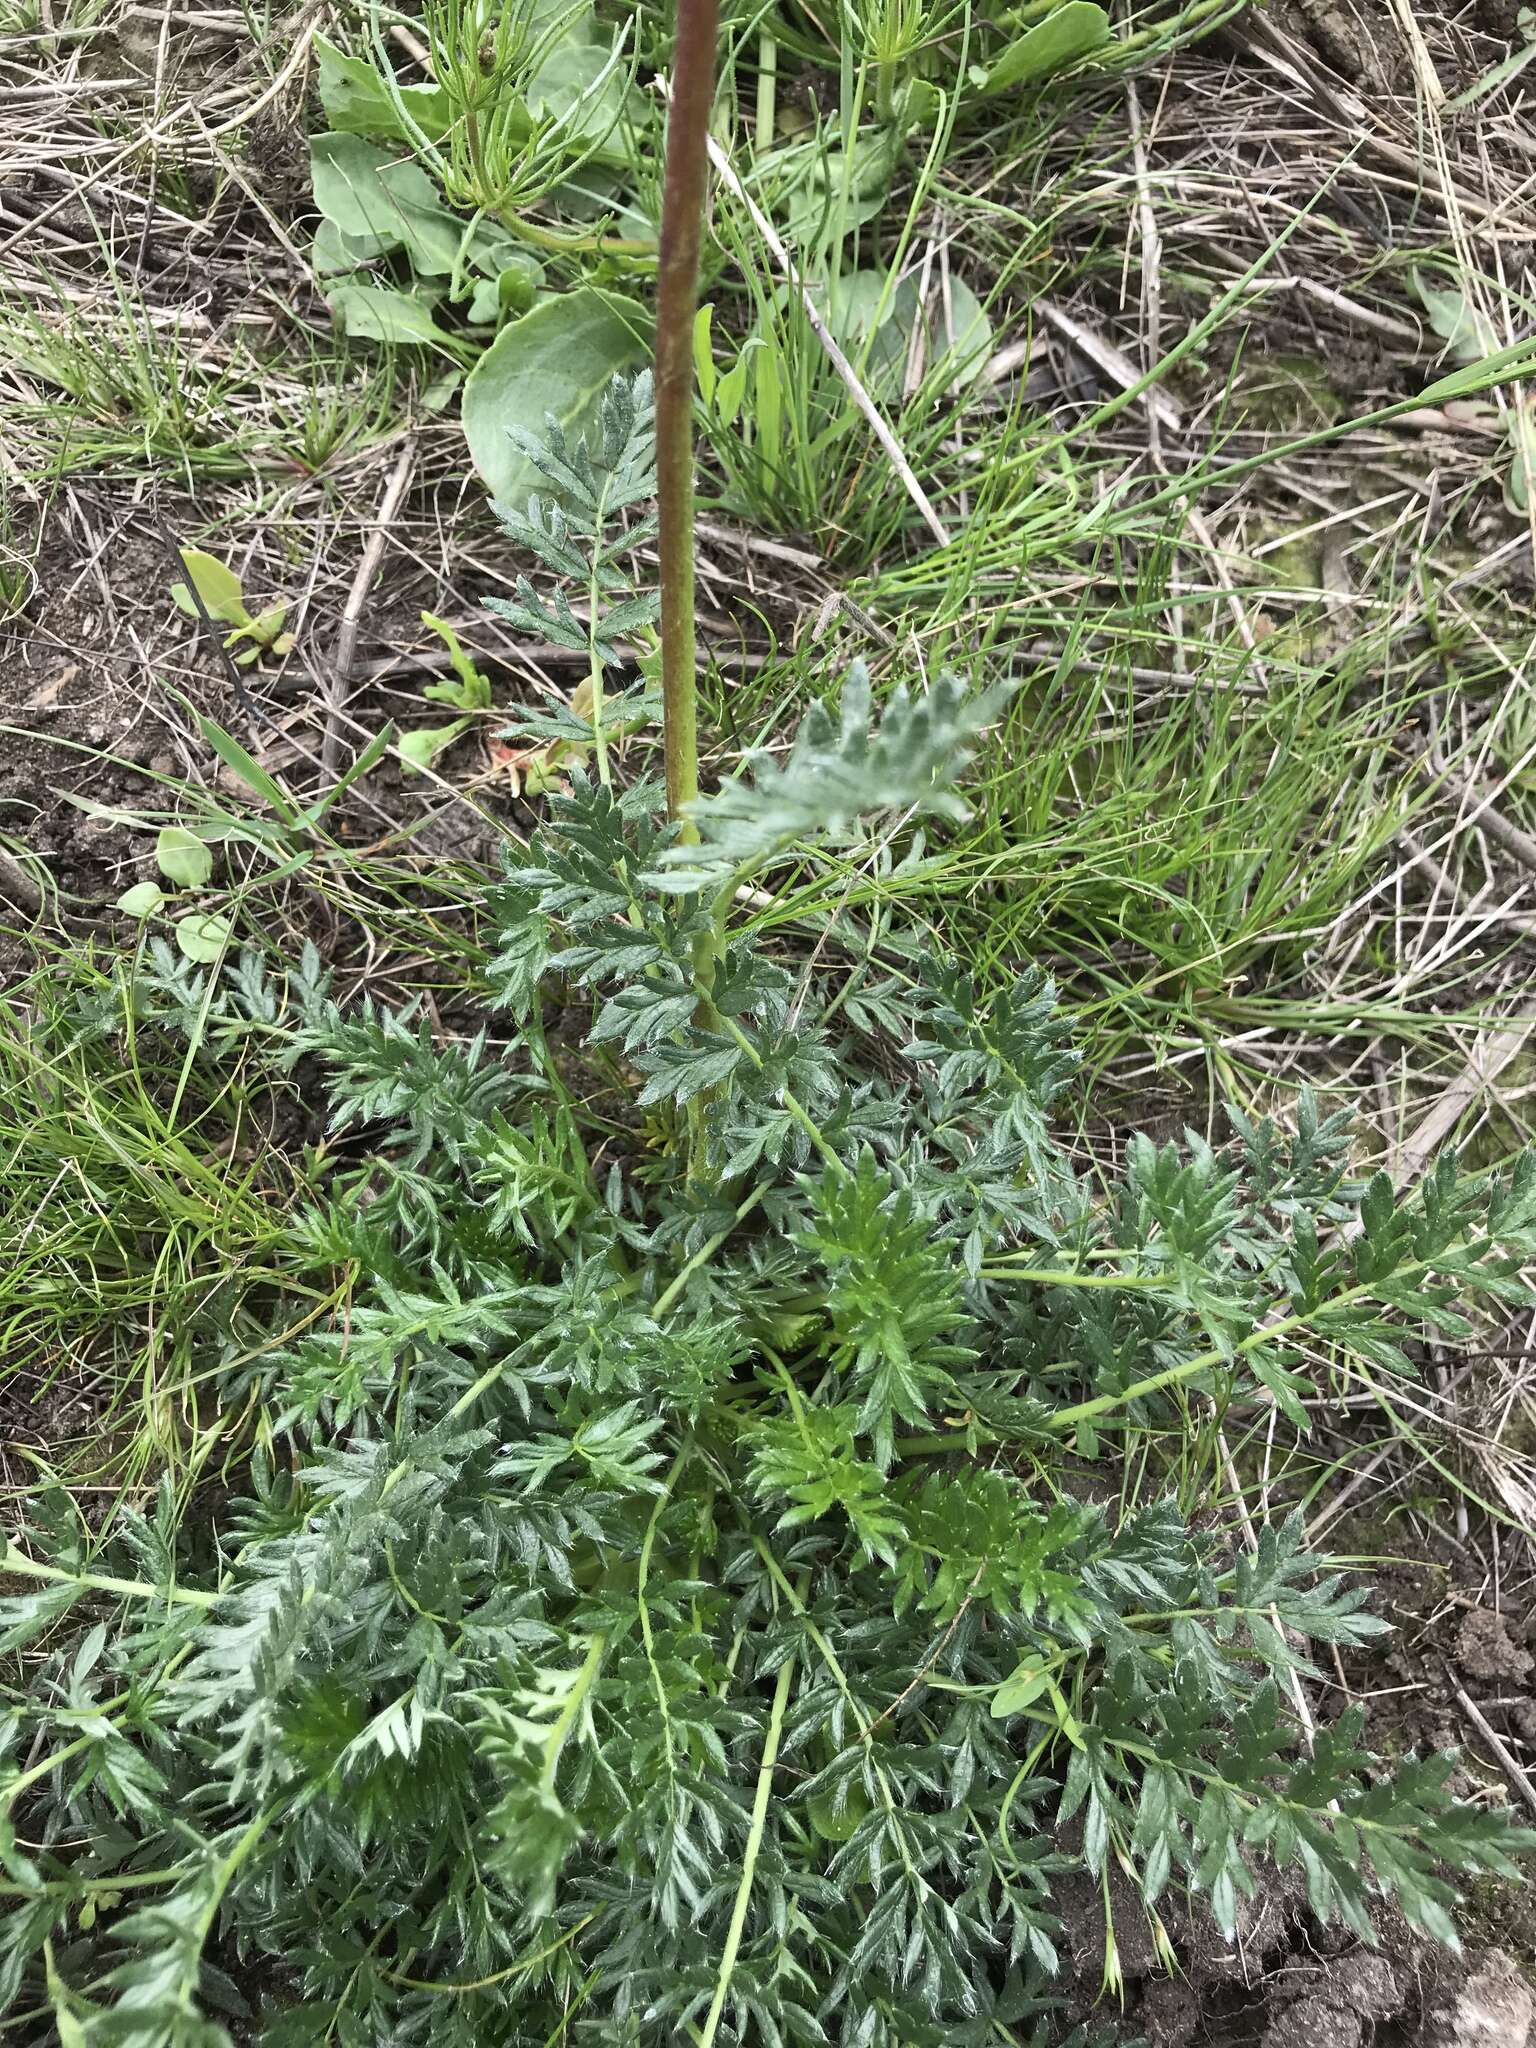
(1515,842)
(1114,362)
(1490,1055)
(677,291)
(1506,1758)
(18,885)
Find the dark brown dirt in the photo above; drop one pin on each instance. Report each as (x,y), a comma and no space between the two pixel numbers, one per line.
(97,674)
(1485,1648)
(82,712)
(1287,1982)
(1362,41)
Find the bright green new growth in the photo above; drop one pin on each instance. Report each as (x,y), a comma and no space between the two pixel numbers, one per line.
(468,691)
(216,593)
(699,1588)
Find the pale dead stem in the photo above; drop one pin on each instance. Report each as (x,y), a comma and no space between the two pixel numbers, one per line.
(338,678)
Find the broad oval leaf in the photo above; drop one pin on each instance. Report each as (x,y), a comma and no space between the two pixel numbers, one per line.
(557,359)
(332,252)
(586,88)
(864,310)
(510,291)
(1019,1690)
(219,588)
(492,249)
(203,936)
(1074,30)
(182,857)
(1458,320)
(382,203)
(142,900)
(357,101)
(827,192)
(836,1823)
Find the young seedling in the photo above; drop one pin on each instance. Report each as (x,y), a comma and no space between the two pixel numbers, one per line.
(468,691)
(251,635)
(184,858)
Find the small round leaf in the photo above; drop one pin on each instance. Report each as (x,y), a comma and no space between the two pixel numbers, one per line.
(182,856)
(203,936)
(142,900)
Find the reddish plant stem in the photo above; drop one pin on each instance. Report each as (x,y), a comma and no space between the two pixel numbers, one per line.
(677,286)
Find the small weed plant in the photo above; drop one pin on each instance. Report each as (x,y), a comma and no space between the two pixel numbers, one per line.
(715,1578)
(743,1543)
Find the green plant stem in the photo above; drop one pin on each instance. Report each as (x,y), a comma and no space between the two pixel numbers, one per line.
(84,1887)
(754,1845)
(677,282)
(586,1678)
(767,83)
(705,1253)
(1174,1375)
(595,680)
(1085,1411)
(18,1785)
(13,1560)
(885,91)
(521,1968)
(572,245)
(642,1605)
(828,1655)
(1045,1276)
(796,1108)
(1326,1810)
(227,1867)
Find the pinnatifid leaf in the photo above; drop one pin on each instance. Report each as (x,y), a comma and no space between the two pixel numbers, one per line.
(835,775)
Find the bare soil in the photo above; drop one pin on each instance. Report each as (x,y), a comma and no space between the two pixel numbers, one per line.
(1364,43)
(76,702)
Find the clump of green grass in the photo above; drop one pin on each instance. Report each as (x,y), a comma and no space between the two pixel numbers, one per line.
(143,1207)
(120,393)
